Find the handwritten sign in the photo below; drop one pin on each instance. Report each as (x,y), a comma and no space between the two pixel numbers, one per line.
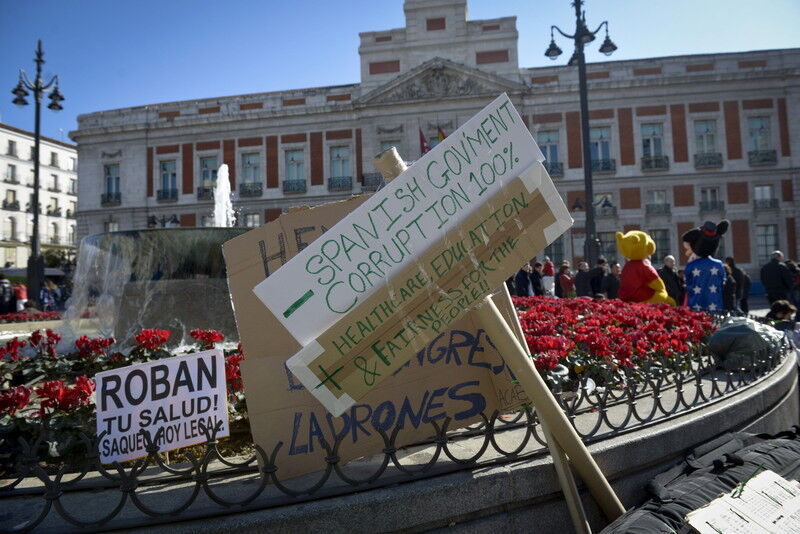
(415,257)
(460,374)
(177,400)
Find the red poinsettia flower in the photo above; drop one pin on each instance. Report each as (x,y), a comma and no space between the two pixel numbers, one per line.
(14,399)
(207,338)
(152,338)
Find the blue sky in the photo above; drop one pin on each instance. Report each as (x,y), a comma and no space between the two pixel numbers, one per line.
(111,54)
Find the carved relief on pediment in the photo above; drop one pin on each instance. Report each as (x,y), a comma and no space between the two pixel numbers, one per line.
(435,83)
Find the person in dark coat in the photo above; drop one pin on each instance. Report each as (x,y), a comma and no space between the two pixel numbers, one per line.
(777,278)
(672,282)
(610,285)
(596,276)
(583,286)
(537,280)
(7,304)
(522,281)
(739,275)
(730,292)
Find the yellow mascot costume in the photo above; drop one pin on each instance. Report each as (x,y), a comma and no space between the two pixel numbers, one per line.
(639,281)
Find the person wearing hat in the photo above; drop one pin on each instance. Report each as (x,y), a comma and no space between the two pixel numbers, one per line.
(705,275)
(776,278)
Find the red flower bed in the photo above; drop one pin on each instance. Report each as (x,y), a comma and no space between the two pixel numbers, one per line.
(604,336)
(23,317)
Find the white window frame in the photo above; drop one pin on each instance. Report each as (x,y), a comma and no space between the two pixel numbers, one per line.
(764,141)
(346,168)
(705,142)
(655,139)
(549,145)
(764,249)
(251,174)
(111,181)
(208,175)
(167,178)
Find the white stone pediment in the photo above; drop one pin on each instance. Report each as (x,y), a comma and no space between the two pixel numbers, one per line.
(440,78)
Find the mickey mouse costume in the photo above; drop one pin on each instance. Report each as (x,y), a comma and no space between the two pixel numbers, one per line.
(705,275)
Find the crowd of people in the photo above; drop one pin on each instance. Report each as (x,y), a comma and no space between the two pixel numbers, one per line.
(780,279)
(14,298)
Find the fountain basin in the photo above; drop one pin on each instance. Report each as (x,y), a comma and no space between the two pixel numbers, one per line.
(168,278)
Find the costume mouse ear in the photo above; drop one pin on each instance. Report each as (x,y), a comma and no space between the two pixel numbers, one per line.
(691,236)
(722,227)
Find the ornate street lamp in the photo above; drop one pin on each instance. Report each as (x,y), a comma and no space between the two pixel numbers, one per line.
(581,37)
(39,89)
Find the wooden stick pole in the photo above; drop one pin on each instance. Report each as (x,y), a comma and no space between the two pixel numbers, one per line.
(547,408)
(516,357)
(560,460)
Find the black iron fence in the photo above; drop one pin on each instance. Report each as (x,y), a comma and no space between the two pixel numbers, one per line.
(149,490)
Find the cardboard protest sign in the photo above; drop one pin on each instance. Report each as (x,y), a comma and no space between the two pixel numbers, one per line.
(176,400)
(459,374)
(415,257)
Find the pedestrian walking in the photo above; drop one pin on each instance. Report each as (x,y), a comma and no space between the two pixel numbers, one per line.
(549,276)
(6,296)
(583,287)
(20,296)
(776,278)
(596,276)
(675,287)
(522,281)
(537,280)
(739,276)
(730,290)
(565,282)
(610,285)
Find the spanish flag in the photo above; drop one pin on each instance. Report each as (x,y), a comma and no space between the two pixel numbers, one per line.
(423,143)
(442,135)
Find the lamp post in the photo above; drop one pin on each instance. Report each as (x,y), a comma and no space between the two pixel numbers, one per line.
(39,89)
(581,37)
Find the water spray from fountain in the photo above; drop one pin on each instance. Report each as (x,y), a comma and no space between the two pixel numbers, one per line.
(224,216)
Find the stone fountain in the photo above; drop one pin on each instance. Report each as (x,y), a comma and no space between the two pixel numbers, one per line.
(170,278)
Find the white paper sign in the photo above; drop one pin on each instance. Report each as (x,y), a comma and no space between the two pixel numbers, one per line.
(174,399)
(386,234)
(766,504)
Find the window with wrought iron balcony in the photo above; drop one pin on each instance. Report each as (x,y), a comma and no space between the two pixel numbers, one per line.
(705,141)
(29,208)
(764,197)
(167,195)
(653,158)
(341,172)
(251,184)
(340,183)
(205,192)
(251,189)
(295,181)
(548,144)
(54,211)
(657,209)
(113,198)
(604,208)
(11,205)
(711,205)
(371,181)
(600,150)
(554,168)
(294,186)
(760,142)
